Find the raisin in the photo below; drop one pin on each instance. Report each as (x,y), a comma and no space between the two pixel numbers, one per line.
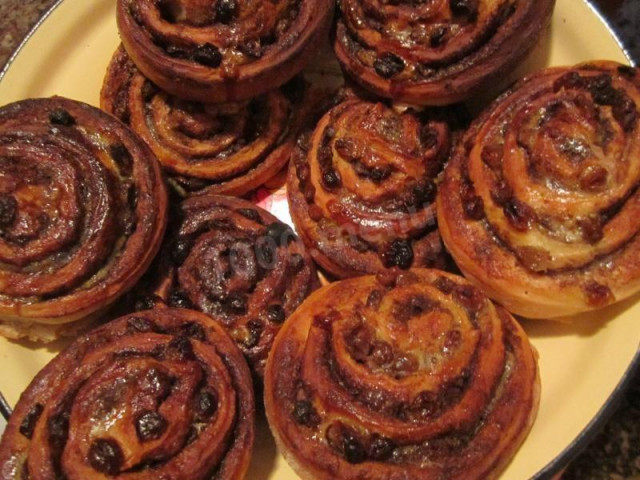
(226,10)
(399,253)
(58,426)
(59,116)
(180,348)
(265,253)
(425,404)
(281,233)
(254,331)
(179,299)
(251,48)
(250,213)
(592,229)
(157,383)
(437,36)
(464,8)
(445,285)
(626,113)
(519,215)
(122,158)
(309,193)
(207,55)
(374,299)
(29,421)
(331,179)
(359,342)
(180,250)
(492,155)
(571,80)
(472,204)
(275,313)
(305,414)
(192,330)
(593,177)
(140,324)
(206,404)
(236,303)
(627,71)
(105,456)
(303,172)
(8,208)
(598,295)
(469,297)
(380,448)
(388,65)
(354,451)
(405,364)
(502,192)
(150,426)
(375,174)
(381,353)
(602,90)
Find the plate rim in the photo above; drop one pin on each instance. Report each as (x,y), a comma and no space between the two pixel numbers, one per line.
(606,411)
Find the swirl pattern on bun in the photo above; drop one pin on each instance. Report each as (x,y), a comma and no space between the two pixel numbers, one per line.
(540,201)
(222,51)
(362,186)
(436,52)
(411,376)
(158,394)
(82,214)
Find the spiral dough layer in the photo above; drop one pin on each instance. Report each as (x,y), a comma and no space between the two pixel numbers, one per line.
(223,50)
(411,376)
(239,264)
(157,394)
(227,148)
(82,213)
(361,188)
(539,204)
(436,52)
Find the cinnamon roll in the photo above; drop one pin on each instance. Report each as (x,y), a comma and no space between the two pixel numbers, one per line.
(436,52)
(236,262)
(158,394)
(361,188)
(539,204)
(223,50)
(411,376)
(82,214)
(227,148)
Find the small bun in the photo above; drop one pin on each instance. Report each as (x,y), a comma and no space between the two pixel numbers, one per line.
(413,376)
(539,204)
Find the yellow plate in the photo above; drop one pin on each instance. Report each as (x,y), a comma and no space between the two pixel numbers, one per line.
(582,364)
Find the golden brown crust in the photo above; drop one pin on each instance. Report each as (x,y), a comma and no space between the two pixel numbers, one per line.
(361,188)
(401,377)
(162,393)
(83,206)
(438,52)
(539,203)
(222,149)
(222,51)
(236,262)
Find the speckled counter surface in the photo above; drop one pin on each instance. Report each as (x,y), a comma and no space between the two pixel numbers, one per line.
(614,454)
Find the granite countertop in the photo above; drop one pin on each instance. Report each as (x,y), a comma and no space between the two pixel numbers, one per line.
(614,454)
